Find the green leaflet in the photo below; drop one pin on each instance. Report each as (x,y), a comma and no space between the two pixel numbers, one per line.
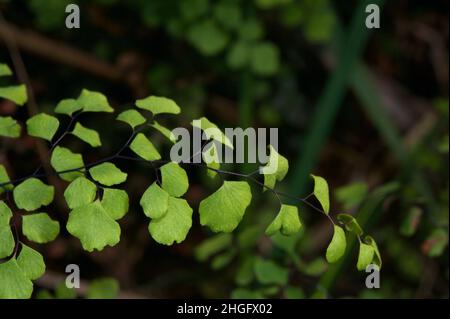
(350,223)
(132,118)
(5,214)
(245,273)
(211,157)
(223,259)
(87,135)
(174,225)
(239,55)
(32,194)
(251,29)
(68,107)
(64,159)
(40,228)
(103,288)
(5,70)
(336,248)
(286,222)
(80,192)
(321,192)
(377,256)
(223,210)
(158,105)
(14,284)
(174,179)
(7,242)
(212,246)
(155,201)
(107,174)
(211,131)
(4,178)
(268,272)
(164,131)
(144,148)
(275,169)
(365,256)
(9,127)
(31,262)
(351,195)
(207,37)
(16,93)
(93,226)
(94,102)
(43,125)
(264,59)
(115,202)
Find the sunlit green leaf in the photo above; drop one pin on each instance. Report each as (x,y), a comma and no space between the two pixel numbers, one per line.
(14,284)
(103,288)
(174,225)
(80,192)
(212,131)
(174,179)
(31,262)
(92,101)
(337,246)
(40,228)
(287,222)
(131,117)
(87,135)
(212,246)
(107,174)
(158,105)
(115,202)
(64,159)
(164,131)
(32,194)
(68,106)
(5,70)
(365,256)
(9,127)
(16,93)
(377,256)
(42,125)
(144,148)
(155,201)
(93,226)
(223,210)
(321,192)
(275,169)
(4,178)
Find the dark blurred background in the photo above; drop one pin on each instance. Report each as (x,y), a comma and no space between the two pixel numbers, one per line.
(367,109)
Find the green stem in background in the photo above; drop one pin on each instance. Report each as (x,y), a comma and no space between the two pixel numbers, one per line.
(246,110)
(332,97)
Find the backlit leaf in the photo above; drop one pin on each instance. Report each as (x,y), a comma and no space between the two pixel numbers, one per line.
(144,148)
(275,169)
(68,106)
(80,192)
(32,194)
(174,179)
(365,256)
(115,202)
(31,262)
(174,225)
(287,222)
(155,201)
(16,93)
(336,248)
(14,284)
(93,226)
(92,101)
(9,127)
(107,174)
(132,118)
(321,192)
(211,131)
(40,228)
(158,105)
(42,125)
(223,210)
(64,159)
(87,135)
